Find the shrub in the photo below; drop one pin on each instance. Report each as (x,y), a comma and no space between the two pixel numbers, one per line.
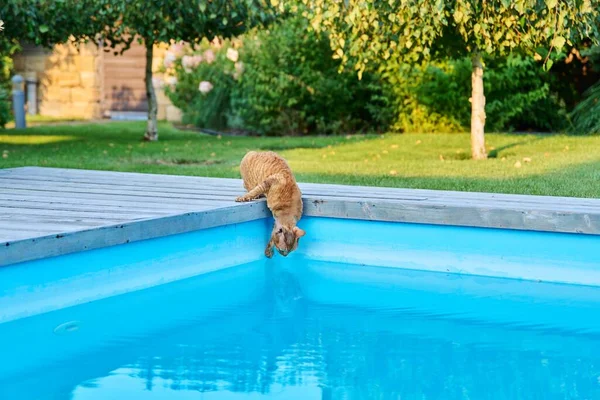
(284,81)
(208,66)
(434,97)
(291,86)
(408,111)
(7,49)
(277,82)
(586,114)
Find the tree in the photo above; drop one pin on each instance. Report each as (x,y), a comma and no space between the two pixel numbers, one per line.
(44,23)
(364,32)
(49,22)
(163,21)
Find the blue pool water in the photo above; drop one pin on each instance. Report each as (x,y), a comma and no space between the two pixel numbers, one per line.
(313,331)
(204,316)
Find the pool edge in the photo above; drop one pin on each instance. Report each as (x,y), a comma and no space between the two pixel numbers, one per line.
(466,209)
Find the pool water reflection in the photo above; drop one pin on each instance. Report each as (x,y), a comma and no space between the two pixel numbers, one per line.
(313,331)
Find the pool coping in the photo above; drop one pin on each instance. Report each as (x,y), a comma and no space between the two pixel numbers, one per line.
(470,209)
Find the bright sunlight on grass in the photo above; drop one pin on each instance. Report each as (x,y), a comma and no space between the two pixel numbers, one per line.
(545,165)
(34,120)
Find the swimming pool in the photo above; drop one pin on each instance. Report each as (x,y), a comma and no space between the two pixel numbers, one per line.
(362,310)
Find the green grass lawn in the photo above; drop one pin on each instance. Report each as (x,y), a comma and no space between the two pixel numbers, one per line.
(35,120)
(546,165)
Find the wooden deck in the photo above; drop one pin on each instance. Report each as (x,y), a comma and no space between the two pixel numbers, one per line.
(46,212)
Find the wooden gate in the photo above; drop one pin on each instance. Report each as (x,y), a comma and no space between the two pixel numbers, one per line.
(124,89)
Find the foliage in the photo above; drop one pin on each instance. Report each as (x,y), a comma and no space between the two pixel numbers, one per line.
(433,97)
(290,86)
(5,112)
(407,102)
(7,48)
(47,22)
(276,82)
(367,30)
(208,63)
(586,114)
(164,21)
(44,23)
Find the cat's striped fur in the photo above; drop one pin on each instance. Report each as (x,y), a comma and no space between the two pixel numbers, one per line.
(268,174)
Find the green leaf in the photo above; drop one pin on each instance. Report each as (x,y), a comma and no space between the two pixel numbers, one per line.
(558,42)
(44,28)
(202,6)
(548,65)
(551,3)
(458,16)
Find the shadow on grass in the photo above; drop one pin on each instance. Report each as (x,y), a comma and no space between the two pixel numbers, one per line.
(292,146)
(494,153)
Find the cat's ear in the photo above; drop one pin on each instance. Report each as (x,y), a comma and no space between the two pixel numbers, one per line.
(299,232)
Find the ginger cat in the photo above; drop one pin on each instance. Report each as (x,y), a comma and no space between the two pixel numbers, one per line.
(266,173)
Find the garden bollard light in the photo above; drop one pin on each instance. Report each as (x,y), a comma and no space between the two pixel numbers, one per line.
(18,101)
(31,96)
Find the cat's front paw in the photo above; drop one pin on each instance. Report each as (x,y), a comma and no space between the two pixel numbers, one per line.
(269,252)
(242,199)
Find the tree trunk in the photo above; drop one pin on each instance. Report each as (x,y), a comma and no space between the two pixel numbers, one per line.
(152,127)
(477,109)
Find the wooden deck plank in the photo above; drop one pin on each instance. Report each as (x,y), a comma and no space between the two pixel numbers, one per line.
(226,195)
(129,191)
(98,213)
(109,201)
(93,205)
(50,211)
(234,186)
(139,197)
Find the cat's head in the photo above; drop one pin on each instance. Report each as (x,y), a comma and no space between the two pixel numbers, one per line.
(285,238)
